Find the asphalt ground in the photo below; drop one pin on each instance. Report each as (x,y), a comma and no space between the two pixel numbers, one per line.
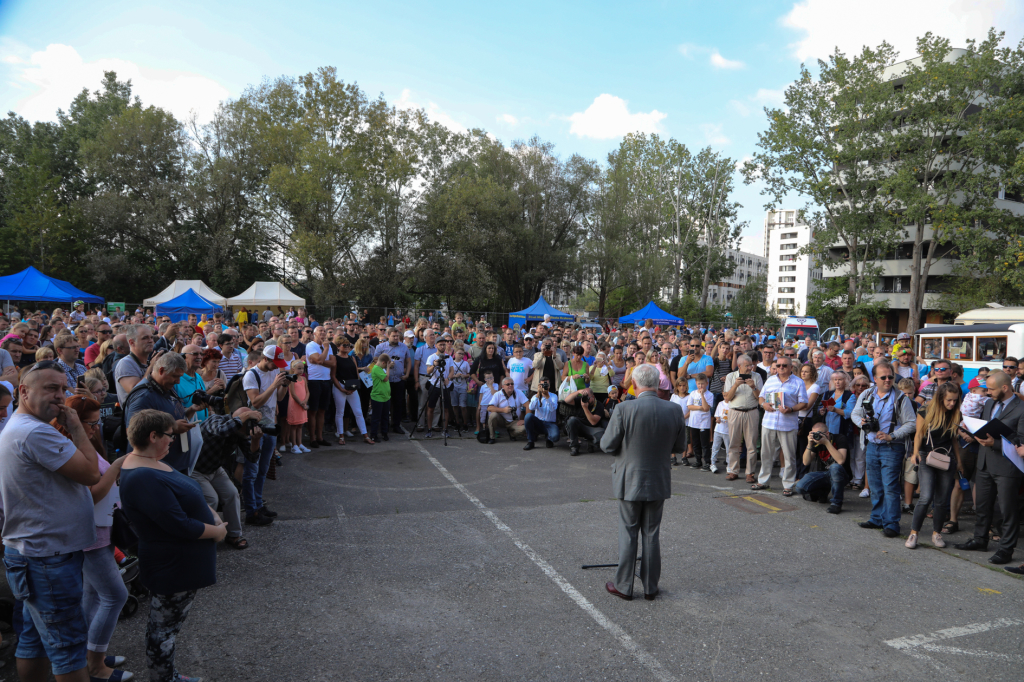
(420,561)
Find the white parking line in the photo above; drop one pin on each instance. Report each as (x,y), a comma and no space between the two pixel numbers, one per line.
(627,642)
(913,645)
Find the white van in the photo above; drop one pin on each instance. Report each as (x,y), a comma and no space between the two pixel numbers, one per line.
(800,328)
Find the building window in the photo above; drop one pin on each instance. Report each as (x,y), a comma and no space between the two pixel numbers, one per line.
(787,258)
(787,268)
(787,290)
(787,279)
(786,300)
(789,235)
(788,247)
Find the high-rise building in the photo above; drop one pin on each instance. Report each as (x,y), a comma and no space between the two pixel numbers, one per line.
(791,275)
(748,266)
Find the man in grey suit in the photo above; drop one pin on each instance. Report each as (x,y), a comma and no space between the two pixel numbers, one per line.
(997,479)
(643,434)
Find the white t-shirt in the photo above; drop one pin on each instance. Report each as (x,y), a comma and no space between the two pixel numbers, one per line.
(460,367)
(319,372)
(680,401)
(269,408)
(722,412)
(519,369)
(517,401)
(697,419)
(439,375)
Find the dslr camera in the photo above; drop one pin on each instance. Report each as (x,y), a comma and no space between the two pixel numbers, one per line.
(291,377)
(268,427)
(215,402)
(545,384)
(816,436)
(439,362)
(870,424)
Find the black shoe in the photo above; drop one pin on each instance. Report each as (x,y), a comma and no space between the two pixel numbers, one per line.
(265,511)
(706,467)
(258,520)
(1016,570)
(384,436)
(491,441)
(314,444)
(869,524)
(1003,556)
(834,509)
(675,462)
(529,445)
(810,498)
(908,509)
(574,451)
(549,444)
(685,461)
(973,545)
(327,444)
(890,533)
(398,430)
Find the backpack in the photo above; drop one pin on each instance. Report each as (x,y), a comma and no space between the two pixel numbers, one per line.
(235,396)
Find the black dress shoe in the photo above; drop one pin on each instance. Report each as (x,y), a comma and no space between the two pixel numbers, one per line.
(574,451)
(265,511)
(327,444)
(550,444)
(834,509)
(890,533)
(258,520)
(314,444)
(1016,570)
(652,595)
(529,445)
(869,524)
(1003,556)
(973,545)
(610,586)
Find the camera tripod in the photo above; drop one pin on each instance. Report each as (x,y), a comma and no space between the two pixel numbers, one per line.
(443,417)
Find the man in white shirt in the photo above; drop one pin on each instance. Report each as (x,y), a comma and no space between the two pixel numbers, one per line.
(543,414)
(264,385)
(782,396)
(519,368)
(320,357)
(438,372)
(506,410)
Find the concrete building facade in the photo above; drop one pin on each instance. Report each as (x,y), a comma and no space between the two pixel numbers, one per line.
(791,275)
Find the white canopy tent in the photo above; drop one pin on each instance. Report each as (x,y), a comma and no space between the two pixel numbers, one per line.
(180,286)
(264,294)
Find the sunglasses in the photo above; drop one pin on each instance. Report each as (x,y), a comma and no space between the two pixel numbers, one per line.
(1009,366)
(942,369)
(885,378)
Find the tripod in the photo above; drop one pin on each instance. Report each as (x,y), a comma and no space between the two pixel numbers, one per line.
(445,409)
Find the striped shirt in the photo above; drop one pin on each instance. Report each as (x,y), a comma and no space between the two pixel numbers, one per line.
(232,365)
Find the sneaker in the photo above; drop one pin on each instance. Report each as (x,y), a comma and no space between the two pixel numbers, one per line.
(296,450)
(430,434)
(834,509)
(446,434)
(908,509)
(304,448)
(283,448)
(675,462)
(258,520)
(573,452)
(911,542)
(865,493)
(937,540)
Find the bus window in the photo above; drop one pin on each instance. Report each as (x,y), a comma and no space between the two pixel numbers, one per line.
(959,348)
(991,348)
(800,333)
(931,349)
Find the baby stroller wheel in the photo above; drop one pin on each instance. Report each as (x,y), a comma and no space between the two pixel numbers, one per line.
(130,607)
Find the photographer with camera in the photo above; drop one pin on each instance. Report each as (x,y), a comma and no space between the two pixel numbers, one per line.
(585,416)
(191,381)
(886,418)
(546,365)
(828,467)
(439,368)
(505,409)
(264,385)
(542,417)
(223,436)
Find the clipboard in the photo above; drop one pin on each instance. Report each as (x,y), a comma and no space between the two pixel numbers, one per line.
(985,429)
(1010,453)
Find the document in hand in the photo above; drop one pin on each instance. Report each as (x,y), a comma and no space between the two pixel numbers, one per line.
(984,429)
(1010,452)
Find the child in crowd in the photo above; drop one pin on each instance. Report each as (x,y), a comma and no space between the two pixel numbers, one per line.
(679,398)
(721,442)
(908,387)
(459,375)
(298,391)
(380,397)
(698,420)
(976,398)
(487,390)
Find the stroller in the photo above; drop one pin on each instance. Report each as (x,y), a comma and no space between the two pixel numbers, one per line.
(129,568)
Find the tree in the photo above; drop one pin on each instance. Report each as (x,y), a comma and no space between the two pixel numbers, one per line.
(609,260)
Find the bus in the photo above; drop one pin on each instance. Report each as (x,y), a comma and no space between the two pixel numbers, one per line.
(973,346)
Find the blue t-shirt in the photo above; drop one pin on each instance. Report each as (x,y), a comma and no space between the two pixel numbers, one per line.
(698,367)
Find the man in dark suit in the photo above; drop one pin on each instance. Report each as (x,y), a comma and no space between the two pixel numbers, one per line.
(643,434)
(997,479)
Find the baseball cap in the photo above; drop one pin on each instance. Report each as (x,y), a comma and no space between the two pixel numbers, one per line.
(901,336)
(410,334)
(528,336)
(276,354)
(976,382)
(771,338)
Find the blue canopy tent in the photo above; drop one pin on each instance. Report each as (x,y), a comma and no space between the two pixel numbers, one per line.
(650,312)
(32,285)
(537,311)
(180,307)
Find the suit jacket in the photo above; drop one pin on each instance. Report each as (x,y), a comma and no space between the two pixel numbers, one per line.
(643,434)
(991,459)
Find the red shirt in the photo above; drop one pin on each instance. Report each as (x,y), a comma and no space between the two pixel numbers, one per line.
(835,362)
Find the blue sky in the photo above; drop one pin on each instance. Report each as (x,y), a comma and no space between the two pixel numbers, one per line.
(580,74)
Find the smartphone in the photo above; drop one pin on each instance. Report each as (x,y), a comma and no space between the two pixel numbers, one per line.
(80,382)
(744,377)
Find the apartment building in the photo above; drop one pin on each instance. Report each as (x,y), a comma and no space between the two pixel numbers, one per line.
(748,266)
(791,275)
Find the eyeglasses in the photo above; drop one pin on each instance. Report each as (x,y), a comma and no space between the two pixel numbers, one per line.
(94,423)
(187,354)
(103,331)
(169,435)
(887,377)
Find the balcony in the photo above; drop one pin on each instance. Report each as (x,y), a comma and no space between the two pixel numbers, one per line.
(897,268)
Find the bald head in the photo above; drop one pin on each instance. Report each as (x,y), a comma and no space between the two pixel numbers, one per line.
(997,379)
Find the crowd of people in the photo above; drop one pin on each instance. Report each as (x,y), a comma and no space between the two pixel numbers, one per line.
(172,428)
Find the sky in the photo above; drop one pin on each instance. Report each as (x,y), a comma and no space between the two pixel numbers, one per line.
(578,74)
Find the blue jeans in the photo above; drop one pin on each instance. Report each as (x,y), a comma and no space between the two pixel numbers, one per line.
(104,595)
(818,482)
(49,594)
(535,426)
(884,463)
(254,475)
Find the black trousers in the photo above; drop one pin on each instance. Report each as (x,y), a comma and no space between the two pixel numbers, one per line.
(991,490)
(397,404)
(577,427)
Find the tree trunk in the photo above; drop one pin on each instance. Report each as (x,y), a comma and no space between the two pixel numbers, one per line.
(602,297)
(677,261)
(916,284)
(851,294)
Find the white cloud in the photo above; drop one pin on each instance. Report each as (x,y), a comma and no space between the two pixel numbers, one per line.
(827,24)
(771,98)
(509,119)
(713,133)
(609,117)
(715,58)
(54,76)
(434,112)
(720,62)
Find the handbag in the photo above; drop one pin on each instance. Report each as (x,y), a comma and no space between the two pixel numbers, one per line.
(351,384)
(937,459)
(122,535)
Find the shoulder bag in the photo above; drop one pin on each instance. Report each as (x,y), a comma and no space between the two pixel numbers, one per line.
(937,459)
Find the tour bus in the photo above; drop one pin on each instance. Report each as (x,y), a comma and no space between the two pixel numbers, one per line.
(971,345)
(800,328)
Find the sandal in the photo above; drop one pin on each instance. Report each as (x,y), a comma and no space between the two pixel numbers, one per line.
(787,492)
(950,527)
(237,542)
(368,440)
(341,439)
(760,486)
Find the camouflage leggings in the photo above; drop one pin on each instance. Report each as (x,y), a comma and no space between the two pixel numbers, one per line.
(167,613)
